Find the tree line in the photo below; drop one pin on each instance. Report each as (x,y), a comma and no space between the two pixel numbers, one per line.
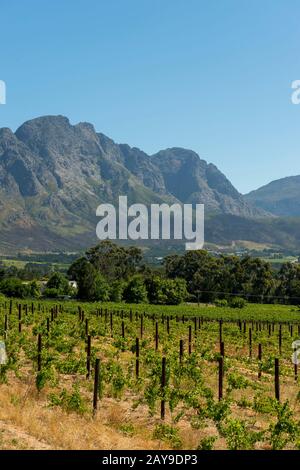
(109,272)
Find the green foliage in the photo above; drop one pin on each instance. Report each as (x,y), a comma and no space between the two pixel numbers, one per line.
(264,404)
(285,430)
(51,293)
(196,275)
(71,364)
(207,443)
(116,291)
(244,403)
(101,288)
(115,376)
(3,373)
(215,410)
(208,277)
(166,291)
(69,401)
(113,261)
(238,436)
(59,282)
(237,381)
(44,376)
(35,290)
(127,429)
(221,303)
(92,285)
(236,302)
(168,434)
(186,394)
(12,287)
(135,290)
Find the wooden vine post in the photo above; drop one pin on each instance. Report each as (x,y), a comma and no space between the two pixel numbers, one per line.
(221,374)
(277,386)
(137,359)
(39,355)
(20,317)
(180,351)
(156,336)
(250,342)
(280,339)
(88,356)
(259,360)
(163,386)
(96,386)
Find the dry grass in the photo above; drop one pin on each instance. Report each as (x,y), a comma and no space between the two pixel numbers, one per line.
(27,416)
(27,421)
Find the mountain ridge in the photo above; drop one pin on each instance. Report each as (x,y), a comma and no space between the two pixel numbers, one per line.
(281,196)
(53,175)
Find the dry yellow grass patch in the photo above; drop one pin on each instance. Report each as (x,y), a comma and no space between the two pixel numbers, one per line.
(53,428)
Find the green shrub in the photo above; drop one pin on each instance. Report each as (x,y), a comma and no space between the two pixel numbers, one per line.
(13,287)
(51,293)
(237,381)
(238,436)
(116,291)
(69,401)
(135,291)
(221,303)
(237,302)
(166,291)
(285,430)
(207,443)
(92,285)
(168,434)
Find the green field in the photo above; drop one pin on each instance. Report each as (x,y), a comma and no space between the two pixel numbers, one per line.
(47,386)
(267,312)
(20,264)
(280,261)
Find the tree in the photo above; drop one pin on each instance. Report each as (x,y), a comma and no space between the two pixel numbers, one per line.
(116,291)
(51,293)
(155,290)
(289,283)
(12,287)
(91,284)
(176,291)
(209,277)
(135,291)
(59,282)
(166,291)
(114,261)
(74,271)
(34,289)
(101,288)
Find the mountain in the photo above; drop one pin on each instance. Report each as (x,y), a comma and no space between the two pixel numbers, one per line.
(278,232)
(192,180)
(280,197)
(181,174)
(53,175)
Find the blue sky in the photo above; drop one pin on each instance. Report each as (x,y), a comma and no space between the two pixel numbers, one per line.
(214,76)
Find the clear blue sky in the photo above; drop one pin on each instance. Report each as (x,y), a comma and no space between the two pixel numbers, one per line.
(214,76)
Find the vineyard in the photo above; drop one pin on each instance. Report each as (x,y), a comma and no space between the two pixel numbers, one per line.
(93,376)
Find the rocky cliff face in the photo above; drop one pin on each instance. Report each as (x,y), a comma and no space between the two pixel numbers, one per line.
(53,175)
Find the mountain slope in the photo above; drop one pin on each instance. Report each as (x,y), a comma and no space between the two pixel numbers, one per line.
(53,175)
(192,180)
(280,232)
(280,197)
